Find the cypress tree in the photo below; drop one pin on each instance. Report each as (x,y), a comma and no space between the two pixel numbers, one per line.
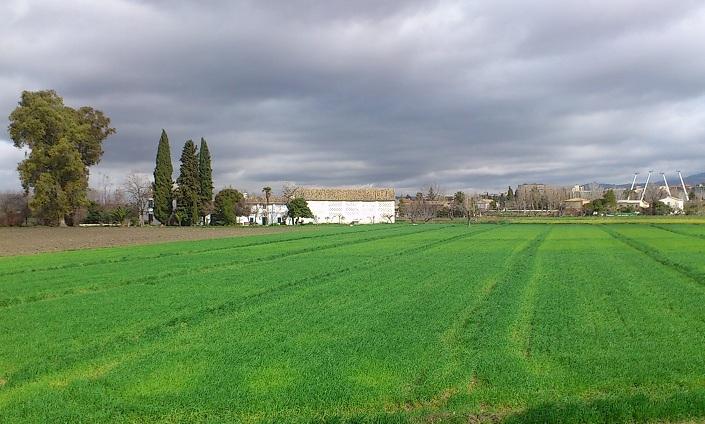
(188,195)
(163,183)
(205,176)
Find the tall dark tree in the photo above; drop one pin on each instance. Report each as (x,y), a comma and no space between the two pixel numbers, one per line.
(205,176)
(188,199)
(610,200)
(510,194)
(163,183)
(458,200)
(63,143)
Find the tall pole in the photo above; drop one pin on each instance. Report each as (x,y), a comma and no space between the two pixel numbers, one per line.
(668,190)
(643,193)
(685,192)
(632,187)
(634,180)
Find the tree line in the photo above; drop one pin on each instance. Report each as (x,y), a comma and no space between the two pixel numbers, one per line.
(62,144)
(190,201)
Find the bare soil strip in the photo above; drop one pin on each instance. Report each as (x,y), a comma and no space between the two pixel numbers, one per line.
(23,241)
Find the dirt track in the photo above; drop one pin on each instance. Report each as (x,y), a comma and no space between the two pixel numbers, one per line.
(21,241)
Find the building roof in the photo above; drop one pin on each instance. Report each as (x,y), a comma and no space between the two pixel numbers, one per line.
(577,199)
(485,200)
(273,200)
(365,194)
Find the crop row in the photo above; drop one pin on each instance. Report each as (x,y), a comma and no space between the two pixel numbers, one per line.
(50,284)
(136,306)
(145,253)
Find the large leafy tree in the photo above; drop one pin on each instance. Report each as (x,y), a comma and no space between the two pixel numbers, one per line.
(298,208)
(63,143)
(163,183)
(228,205)
(188,198)
(205,174)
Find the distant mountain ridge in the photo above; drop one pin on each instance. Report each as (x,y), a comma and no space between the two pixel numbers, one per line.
(694,179)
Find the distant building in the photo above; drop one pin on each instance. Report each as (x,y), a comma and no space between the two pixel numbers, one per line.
(263,213)
(328,205)
(575,203)
(484,204)
(526,188)
(363,205)
(590,191)
(674,202)
(633,203)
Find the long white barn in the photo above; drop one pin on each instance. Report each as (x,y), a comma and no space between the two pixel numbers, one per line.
(349,205)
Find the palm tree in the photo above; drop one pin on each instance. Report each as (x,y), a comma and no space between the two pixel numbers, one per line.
(267,192)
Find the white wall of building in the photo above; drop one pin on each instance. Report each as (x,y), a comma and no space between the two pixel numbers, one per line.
(673,202)
(345,212)
(275,213)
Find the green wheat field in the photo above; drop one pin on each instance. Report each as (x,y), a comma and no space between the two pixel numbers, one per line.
(386,323)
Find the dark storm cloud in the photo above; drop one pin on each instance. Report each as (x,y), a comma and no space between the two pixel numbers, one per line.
(468,95)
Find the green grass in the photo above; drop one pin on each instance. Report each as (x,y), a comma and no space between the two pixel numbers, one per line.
(567,219)
(389,323)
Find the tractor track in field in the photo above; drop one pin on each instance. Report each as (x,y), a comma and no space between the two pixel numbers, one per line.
(156,331)
(524,325)
(656,255)
(521,261)
(681,233)
(455,337)
(127,259)
(152,278)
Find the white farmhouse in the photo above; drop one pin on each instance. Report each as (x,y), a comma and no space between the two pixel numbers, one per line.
(674,202)
(363,205)
(262,212)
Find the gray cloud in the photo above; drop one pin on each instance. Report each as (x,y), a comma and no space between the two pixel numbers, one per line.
(469,95)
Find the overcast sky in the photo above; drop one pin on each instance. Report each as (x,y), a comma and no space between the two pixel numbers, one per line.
(465,94)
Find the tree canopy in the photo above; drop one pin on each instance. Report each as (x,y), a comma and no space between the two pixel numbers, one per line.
(205,176)
(228,205)
(298,208)
(63,143)
(163,183)
(188,198)
(610,199)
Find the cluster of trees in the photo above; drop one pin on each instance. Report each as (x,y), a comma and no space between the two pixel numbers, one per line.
(432,203)
(102,214)
(191,201)
(14,209)
(606,204)
(530,197)
(64,142)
